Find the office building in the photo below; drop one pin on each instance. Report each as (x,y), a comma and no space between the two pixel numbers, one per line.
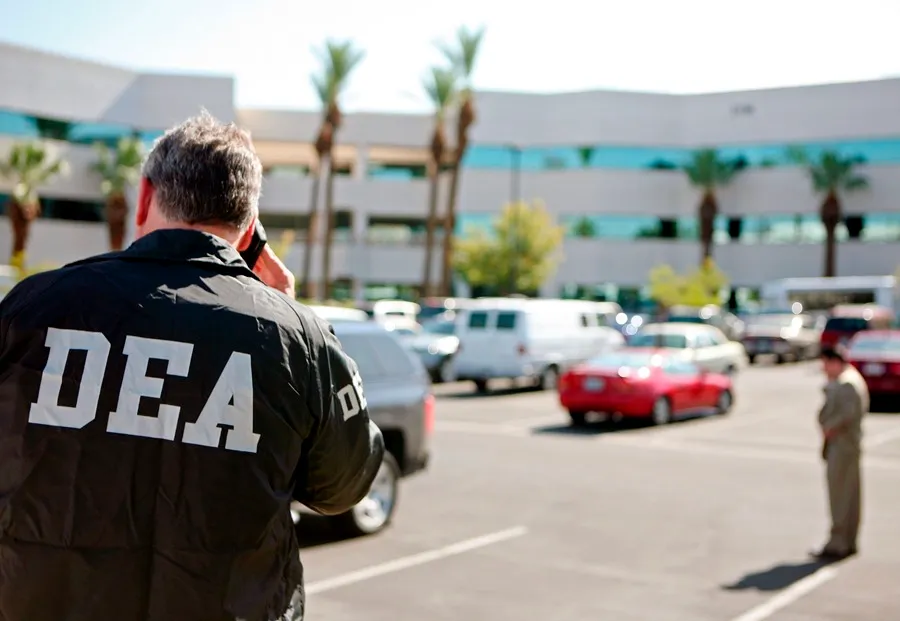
(604,163)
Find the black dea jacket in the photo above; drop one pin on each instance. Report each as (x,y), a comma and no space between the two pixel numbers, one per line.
(160,408)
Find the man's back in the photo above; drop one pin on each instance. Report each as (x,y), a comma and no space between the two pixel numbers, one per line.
(147,473)
(847,401)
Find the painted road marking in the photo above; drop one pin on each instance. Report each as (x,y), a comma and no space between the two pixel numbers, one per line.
(796,591)
(414,560)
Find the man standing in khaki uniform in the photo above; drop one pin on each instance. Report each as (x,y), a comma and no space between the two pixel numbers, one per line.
(846,401)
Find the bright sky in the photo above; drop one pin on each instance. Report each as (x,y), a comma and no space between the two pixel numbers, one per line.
(556,45)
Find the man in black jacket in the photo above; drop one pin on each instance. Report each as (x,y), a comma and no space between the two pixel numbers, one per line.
(162,406)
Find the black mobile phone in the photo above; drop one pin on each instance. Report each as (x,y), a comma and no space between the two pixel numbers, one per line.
(257,243)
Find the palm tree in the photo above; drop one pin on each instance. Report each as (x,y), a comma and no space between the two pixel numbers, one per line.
(337,61)
(440,85)
(118,168)
(830,174)
(462,57)
(707,171)
(28,166)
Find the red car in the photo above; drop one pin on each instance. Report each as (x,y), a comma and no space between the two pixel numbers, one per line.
(845,321)
(641,382)
(876,355)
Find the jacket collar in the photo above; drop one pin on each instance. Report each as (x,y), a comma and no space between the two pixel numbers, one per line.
(184,245)
(181,246)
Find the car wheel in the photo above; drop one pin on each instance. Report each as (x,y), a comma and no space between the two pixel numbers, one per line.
(662,411)
(481,385)
(374,512)
(445,373)
(549,378)
(579,419)
(730,369)
(751,359)
(724,402)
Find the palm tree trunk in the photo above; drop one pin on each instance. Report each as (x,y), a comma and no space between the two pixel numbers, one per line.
(430,226)
(707,216)
(312,225)
(449,231)
(831,216)
(116,217)
(329,231)
(20,218)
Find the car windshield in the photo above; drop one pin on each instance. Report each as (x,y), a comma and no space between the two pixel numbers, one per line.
(685,319)
(445,328)
(876,344)
(782,321)
(846,324)
(649,339)
(621,359)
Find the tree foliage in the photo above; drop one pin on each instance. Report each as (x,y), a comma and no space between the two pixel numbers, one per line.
(29,165)
(120,167)
(518,254)
(696,288)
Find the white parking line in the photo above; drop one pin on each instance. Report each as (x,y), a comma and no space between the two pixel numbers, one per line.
(414,560)
(796,591)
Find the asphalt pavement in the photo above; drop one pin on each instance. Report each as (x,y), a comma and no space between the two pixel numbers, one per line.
(522,517)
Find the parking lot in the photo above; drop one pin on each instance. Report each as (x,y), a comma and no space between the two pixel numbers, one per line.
(520,516)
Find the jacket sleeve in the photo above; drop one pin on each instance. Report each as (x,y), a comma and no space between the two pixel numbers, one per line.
(343,452)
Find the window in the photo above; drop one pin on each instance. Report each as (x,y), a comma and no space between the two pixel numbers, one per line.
(394,358)
(673,341)
(703,339)
(602,320)
(681,367)
(878,344)
(446,328)
(846,324)
(715,338)
(506,320)
(361,348)
(478,320)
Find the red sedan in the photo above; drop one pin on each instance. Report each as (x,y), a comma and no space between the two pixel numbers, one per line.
(643,383)
(876,355)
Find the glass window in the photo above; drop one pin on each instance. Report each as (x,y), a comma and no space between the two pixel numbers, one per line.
(703,339)
(872,344)
(395,359)
(675,366)
(846,324)
(881,227)
(361,348)
(673,341)
(716,339)
(478,320)
(506,320)
(446,328)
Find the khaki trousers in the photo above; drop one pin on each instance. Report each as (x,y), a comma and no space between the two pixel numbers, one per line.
(844,497)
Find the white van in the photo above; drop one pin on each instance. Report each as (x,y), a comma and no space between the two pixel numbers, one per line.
(521,338)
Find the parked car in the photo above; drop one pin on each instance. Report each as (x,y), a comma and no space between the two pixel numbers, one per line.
(334,314)
(786,335)
(729,323)
(846,320)
(643,382)
(434,307)
(703,345)
(436,344)
(536,339)
(398,392)
(876,354)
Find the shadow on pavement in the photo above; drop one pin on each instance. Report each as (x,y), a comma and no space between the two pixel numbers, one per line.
(889,404)
(315,530)
(470,393)
(776,578)
(607,426)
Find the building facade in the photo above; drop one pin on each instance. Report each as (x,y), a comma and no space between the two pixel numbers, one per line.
(606,164)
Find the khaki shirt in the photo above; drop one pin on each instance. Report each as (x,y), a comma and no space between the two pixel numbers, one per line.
(846,402)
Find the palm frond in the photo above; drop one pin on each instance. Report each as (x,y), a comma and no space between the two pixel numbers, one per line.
(440,86)
(462,54)
(337,60)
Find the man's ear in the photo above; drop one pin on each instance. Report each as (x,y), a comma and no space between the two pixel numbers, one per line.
(247,236)
(145,197)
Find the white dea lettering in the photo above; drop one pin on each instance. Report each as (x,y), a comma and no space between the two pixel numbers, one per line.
(136,384)
(229,405)
(47,411)
(351,396)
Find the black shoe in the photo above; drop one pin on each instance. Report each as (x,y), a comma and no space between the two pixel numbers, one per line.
(830,556)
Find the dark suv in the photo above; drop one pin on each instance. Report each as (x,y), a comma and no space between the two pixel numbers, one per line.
(398,392)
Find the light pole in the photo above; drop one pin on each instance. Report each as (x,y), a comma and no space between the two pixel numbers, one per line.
(515,195)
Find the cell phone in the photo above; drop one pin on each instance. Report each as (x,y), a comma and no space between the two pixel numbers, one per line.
(257,243)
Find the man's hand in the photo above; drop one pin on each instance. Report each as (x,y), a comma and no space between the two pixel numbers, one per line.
(273,272)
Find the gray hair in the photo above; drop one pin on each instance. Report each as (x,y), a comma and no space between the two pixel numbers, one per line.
(205,172)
